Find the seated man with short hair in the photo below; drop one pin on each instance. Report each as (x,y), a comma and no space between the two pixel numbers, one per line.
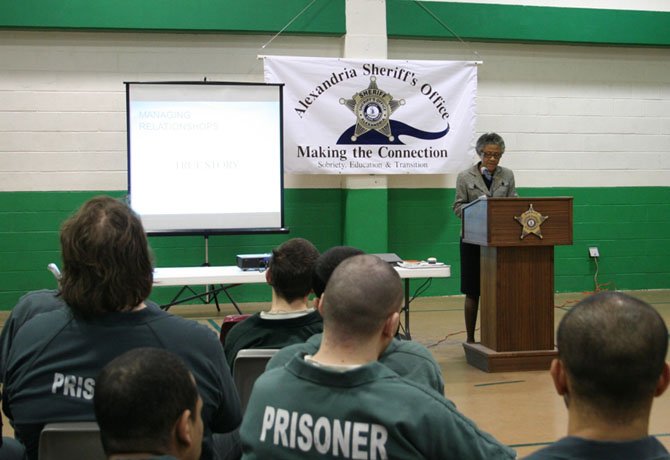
(610,367)
(290,320)
(148,407)
(409,359)
(342,402)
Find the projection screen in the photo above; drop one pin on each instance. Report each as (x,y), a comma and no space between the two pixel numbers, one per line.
(205,158)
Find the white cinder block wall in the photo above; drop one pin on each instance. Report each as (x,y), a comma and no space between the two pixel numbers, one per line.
(62,96)
(571,115)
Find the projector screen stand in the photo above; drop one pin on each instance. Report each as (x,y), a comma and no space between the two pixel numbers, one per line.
(211,291)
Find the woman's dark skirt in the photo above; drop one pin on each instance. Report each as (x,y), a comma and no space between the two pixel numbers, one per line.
(470,269)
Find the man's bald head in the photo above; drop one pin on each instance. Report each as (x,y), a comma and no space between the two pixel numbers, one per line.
(361,294)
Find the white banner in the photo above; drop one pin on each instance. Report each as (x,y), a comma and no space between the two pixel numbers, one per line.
(356,116)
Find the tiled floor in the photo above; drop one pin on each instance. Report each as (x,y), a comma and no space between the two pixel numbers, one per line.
(519,408)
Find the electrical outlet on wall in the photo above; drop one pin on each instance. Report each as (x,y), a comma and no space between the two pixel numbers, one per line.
(593,252)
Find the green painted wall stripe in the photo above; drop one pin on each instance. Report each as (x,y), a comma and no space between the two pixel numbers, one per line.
(626,223)
(254,16)
(314,214)
(366,219)
(487,22)
(405,18)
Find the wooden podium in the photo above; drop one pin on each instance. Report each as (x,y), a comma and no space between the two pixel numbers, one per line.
(517,238)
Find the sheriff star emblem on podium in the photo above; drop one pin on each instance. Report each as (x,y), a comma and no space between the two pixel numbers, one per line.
(531,221)
(373,108)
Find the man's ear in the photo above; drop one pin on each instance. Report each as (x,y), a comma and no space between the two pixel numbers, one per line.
(558,375)
(183,429)
(268,277)
(318,304)
(663,381)
(391,325)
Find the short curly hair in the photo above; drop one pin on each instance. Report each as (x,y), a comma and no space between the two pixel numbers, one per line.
(613,347)
(327,263)
(291,268)
(488,139)
(139,396)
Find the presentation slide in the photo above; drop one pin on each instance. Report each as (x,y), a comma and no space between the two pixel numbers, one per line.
(205,158)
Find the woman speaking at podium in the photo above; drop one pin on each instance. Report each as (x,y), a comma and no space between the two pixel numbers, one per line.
(486,178)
